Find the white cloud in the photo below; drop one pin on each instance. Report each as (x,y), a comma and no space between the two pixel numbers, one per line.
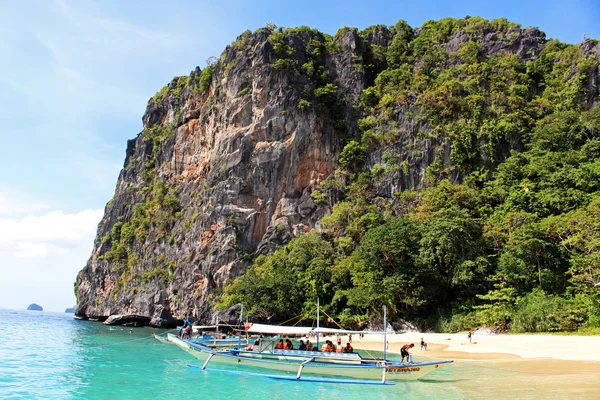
(13,201)
(52,233)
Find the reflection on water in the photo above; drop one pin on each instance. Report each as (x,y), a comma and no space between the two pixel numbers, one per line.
(52,356)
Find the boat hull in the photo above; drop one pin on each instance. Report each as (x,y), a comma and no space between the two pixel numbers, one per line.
(352,368)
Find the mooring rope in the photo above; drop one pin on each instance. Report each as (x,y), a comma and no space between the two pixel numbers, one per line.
(133,340)
(360,341)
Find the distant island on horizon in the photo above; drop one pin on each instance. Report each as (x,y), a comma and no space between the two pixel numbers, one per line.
(35,307)
(71,310)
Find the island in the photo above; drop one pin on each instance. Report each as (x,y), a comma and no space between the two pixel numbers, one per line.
(70,310)
(35,307)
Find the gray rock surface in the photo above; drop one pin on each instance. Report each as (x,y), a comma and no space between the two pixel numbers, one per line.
(127,320)
(241,159)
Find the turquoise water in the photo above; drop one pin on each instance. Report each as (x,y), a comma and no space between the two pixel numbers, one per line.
(53,356)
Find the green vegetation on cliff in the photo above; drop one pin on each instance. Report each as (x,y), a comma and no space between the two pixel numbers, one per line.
(504,229)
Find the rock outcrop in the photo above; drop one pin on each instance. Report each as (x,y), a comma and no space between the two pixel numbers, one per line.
(34,307)
(230,160)
(127,320)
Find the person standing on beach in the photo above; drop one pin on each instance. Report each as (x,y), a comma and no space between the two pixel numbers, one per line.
(469,337)
(423,345)
(404,351)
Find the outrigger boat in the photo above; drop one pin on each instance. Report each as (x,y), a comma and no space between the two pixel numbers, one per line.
(319,366)
(215,339)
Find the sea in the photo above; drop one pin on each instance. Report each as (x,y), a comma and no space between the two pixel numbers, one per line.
(45,355)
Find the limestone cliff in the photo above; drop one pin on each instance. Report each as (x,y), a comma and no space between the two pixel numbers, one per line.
(231,160)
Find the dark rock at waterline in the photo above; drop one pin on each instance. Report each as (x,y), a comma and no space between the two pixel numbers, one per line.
(35,307)
(127,320)
(70,310)
(162,318)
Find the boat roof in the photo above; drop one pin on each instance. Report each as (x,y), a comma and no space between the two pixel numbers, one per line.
(295,330)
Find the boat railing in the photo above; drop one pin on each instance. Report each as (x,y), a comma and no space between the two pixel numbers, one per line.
(311,354)
(306,353)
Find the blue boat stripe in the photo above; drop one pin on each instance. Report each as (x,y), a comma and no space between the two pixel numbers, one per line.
(293,378)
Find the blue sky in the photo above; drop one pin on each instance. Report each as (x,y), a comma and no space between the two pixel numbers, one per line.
(75,77)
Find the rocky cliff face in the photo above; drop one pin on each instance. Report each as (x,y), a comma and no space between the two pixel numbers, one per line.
(232,158)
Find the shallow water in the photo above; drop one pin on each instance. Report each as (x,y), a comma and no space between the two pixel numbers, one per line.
(53,356)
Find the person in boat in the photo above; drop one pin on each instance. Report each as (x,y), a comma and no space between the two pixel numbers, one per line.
(183,331)
(348,348)
(301,346)
(329,347)
(187,331)
(423,345)
(309,345)
(404,351)
(339,340)
(279,344)
(288,345)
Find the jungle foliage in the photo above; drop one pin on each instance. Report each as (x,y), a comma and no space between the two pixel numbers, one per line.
(505,233)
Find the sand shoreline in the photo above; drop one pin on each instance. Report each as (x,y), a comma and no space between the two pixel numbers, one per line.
(489,347)
(561,365)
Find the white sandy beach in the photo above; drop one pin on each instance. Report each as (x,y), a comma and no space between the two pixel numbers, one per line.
(576,348)
(509,366)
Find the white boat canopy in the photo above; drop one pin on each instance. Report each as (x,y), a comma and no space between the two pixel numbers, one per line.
(196,327)
(279,330)
(295,330)
(340,331)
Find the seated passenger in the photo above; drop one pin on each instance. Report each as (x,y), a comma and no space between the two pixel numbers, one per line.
(279,344)
(301,346)
(248,347)
(256,344)
(324,347)
(339,348)
(309,345)
(330,347)
(348,348)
